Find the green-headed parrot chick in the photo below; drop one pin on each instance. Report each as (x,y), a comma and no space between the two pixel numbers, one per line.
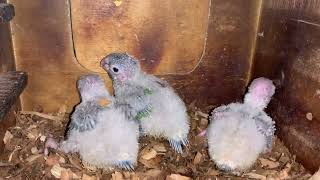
(148,99)
(239,132)
(102,135)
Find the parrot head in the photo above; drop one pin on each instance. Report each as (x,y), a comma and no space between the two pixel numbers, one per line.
(121,67)
(259,93)
(92,87)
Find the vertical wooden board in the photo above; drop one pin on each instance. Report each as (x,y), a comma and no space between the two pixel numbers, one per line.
(167,36)
(6,52)
(225,70)
(42,41)
(288,48)
(304,69)
(41,35)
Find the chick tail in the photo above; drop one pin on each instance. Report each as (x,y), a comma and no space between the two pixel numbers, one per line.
(224,167)
(177,144)
(126,165)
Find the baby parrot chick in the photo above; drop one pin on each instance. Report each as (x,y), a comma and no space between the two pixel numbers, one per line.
(103,136)
(239,132)
(147,99)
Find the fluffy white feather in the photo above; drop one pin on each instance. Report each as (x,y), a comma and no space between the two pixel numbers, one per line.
(113,143)
(113,139)
(148,99)
(168,117)
(239,132)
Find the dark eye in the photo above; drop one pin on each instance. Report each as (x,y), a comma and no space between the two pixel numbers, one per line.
(114,69)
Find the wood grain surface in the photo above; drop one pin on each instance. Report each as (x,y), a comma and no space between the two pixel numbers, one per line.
(43,46)
(288,49)
(167,36)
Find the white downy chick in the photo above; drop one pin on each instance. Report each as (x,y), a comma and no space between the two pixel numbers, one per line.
(239,132)
(103,136)
(149,100)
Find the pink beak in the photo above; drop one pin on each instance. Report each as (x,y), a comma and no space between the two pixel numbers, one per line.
(104,65)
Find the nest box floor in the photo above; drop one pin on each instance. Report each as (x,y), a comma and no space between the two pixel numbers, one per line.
(23,155)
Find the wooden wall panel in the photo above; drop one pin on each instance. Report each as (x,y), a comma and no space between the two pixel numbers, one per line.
(168,36)
(225,70)
(287,43)
(43,47)
(6,53)
(7,63)
(42,40)
(288,48)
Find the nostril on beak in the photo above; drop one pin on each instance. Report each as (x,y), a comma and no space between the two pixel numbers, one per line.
(102,64)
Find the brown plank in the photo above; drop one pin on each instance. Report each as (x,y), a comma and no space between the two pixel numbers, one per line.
(225,70)
(288,47)
(6,64)
(41,35)
(167,36)
(6,52)
(300,135)
(43,47)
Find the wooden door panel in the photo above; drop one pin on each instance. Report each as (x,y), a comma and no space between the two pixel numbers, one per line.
(167,36)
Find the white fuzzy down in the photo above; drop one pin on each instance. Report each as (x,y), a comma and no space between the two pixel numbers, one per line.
(114,139)
(239,132)
(233,139)
(169,118)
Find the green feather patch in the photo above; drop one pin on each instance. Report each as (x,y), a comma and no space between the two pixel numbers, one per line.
(144,113)
(147,91)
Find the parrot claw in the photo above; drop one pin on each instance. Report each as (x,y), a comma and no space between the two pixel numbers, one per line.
(202,133)
(177,145)
(224,167)
(228,169)
(126,165)
(91,124)
(141,132)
